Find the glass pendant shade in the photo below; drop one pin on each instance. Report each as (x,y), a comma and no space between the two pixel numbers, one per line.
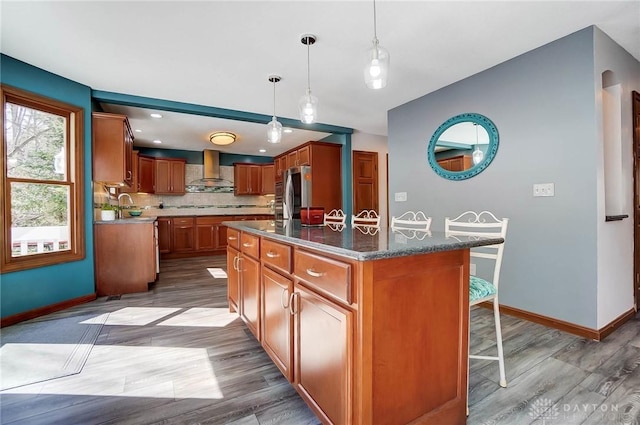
(377,67)
(477,156)
(274,131)
(308,107)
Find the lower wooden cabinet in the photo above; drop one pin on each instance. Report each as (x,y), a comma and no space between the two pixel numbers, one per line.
(211,235)
(249,270)
(164,235)
(277,323)
(233,279)
(183,234)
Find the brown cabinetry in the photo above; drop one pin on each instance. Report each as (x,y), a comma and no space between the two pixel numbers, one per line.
(325,160)
(143,175)
(233,275)
(280,164)
(170,175)
(211,235)
(125,257)
(326,324)
(164,234)
(267,181)
(183,234)
(247,179)
(456,163)
(112,149)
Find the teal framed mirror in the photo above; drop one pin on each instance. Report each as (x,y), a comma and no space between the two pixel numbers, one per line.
(463,146)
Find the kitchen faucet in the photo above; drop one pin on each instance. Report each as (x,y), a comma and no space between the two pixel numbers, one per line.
(119,197)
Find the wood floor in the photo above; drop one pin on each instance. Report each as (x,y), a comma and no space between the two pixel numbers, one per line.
(175,355)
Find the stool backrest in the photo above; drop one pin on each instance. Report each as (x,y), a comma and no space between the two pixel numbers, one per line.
(411,220)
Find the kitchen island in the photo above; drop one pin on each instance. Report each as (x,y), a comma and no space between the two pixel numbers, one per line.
(369,325)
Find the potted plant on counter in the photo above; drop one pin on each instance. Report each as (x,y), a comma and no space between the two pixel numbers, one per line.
(108,212)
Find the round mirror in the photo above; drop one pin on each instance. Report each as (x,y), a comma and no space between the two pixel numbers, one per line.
(463,146)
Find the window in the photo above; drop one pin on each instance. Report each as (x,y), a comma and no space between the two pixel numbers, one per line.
(42,209)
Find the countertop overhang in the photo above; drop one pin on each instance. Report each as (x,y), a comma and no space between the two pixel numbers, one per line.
(361,242)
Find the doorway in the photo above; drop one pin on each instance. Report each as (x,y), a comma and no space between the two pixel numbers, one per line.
(636,197)
(365,181)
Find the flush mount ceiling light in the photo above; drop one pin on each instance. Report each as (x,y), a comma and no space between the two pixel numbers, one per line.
(377,67)
(274,128)
(222,138)
(308,104)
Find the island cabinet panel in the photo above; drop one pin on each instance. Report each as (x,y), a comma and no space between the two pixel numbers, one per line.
(233,279)
(276,255)
(250,293)
(277,323)
(330,277)
(323,355)
(233,239)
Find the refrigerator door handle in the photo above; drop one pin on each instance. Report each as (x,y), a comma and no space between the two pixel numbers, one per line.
(288,198)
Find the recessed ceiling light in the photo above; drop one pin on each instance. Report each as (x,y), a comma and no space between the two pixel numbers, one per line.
(137,130)
(157,142)
(262,150)
(287,130)
(156,116)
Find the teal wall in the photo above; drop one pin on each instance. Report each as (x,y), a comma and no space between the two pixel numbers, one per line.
(27,290)
(197,157)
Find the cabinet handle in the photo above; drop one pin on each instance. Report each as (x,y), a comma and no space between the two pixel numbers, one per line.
(291,303)
(314,273)
(129,174)
(247,244)
(282,302)
(235,263)
(232,238)
(239,266)
(272,254)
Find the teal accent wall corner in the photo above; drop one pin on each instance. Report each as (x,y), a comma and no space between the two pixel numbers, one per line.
(31,289)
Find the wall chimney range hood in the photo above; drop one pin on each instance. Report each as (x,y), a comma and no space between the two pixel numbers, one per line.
(211,171)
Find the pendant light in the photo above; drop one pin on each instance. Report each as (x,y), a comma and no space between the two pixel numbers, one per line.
(377,67)
(308,104)
(274,128)
(477,155)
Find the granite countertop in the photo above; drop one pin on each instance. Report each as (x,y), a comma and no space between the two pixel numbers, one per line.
(128,220)
(360,242)
(206,210)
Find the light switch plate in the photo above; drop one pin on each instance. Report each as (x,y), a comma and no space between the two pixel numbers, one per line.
(543,189)
(401,196)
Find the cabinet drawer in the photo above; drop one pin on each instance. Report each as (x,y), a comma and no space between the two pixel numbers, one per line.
(328,276)
(204,220)
(233,238)
(183,221)
(250,245)
(276,255)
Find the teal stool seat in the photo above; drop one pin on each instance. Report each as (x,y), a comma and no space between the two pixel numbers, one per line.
(480,288)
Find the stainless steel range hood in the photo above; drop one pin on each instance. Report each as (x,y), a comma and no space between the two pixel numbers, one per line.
(211,171)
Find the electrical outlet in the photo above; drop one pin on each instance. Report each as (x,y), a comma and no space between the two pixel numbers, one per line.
(543,189)
(472,269)
(401,196)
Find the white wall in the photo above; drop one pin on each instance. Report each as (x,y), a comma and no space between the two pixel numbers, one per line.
(615,238)
(374,143)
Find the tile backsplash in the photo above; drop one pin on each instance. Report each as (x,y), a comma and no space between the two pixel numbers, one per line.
(193,198)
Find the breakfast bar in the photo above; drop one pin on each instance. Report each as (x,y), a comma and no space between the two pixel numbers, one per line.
(370,325)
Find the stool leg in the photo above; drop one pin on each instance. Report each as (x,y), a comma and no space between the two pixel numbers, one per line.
(496,316)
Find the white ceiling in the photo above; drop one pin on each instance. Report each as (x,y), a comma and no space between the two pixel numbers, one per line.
(220,53)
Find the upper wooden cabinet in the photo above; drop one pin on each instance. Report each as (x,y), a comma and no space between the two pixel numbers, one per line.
(300,156)
(456,163)
(112,149)
(280,163)
(247,179)
(268,182)
(170,175)
(143,175)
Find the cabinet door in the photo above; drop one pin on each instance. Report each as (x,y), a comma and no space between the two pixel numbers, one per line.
(112,149)
(205,237)
(268,182)
(250,293)
(304,156)
(292,159)
(177,177)
(255,179)
(163,176)
(277,326)
(280,165)
(183,234)
(221,236)
(135,184)
(128,155)
(164,235)
(241,179)
(146,173)
(233,279)
(323,355)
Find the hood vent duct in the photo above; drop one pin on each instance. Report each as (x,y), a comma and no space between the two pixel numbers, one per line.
(211,171)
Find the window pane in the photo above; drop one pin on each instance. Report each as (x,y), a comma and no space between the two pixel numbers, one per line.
(35,143)
(40,218)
